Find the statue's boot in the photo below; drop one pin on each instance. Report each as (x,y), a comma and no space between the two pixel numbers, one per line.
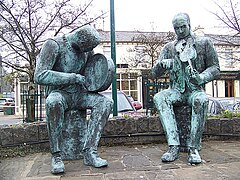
(171,154)
(91,158)
(57,164)
(193,156)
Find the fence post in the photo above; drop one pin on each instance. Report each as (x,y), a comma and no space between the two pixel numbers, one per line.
(32,105)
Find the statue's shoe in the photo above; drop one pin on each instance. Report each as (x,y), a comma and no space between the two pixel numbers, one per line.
(171,154)
(57,165)
(194,157)
(91,158)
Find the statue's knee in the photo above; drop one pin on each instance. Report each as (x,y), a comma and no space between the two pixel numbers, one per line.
(155,98)
(199,104)
(200,101)
(53,102)
(158,99)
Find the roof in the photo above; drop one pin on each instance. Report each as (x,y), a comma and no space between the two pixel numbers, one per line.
(128,36)
(125,36)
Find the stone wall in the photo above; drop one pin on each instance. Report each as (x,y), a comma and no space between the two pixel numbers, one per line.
(120,131)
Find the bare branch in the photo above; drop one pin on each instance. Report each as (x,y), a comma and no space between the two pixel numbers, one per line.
(229,14)
(18,68)
(149,45)
(19,32)
(26,24)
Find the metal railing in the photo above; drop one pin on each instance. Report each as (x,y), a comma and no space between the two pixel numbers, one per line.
(33,102)
(153,87)
(33,106)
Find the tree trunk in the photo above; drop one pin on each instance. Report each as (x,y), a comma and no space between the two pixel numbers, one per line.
(30,103)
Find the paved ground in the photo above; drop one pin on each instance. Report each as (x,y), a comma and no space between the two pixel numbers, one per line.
(221,160)
(9,119)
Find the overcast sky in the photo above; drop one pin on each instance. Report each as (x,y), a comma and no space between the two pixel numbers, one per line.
(142,15)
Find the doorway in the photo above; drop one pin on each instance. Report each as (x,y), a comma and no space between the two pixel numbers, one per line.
(229,88)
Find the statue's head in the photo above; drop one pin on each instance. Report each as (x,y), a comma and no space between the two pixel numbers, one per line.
(85,38)
(181,25)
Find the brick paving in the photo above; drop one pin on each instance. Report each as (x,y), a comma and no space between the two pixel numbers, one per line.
(221,160)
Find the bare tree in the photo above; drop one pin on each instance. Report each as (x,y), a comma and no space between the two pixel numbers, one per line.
(146,51)
(149,45)
(229,14)
(25,24)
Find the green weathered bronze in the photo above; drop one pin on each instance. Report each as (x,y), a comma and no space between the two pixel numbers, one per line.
(113,56)
(73,76)
(191,62)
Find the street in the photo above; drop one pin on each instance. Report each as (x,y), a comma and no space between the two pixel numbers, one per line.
(9,119)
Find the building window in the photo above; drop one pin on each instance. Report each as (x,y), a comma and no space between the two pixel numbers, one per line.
(122,65)
(127,82)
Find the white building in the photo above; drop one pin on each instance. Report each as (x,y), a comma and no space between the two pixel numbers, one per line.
(129,77)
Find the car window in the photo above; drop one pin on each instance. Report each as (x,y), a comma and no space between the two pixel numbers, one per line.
(6,100)
(123,102)
(2,100)
(130,98)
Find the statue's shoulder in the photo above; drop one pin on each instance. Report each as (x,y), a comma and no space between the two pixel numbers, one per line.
(202,39)
(170,44)
(52,43)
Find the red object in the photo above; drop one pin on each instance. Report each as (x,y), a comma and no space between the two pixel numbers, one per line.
(136,104)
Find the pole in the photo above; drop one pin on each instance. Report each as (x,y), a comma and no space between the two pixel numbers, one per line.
(113,56)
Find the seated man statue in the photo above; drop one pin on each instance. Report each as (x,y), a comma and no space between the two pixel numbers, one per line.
(60,67)
(191,62)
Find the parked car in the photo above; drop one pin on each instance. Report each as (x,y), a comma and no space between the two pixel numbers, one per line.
(124,106)
(221,104)
(136,104)
(236,106)
(123,103)
(4,102)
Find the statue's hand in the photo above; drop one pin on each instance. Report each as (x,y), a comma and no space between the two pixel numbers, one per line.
(196,78)
(80,79)
(194,75)
(167,63)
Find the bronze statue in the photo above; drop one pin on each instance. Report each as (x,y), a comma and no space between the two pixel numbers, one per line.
(61,67)
(191,62)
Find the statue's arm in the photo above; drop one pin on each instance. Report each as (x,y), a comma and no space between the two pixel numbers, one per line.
(45,62)
(89,55)
(160,67)
(157,69)
(212,70)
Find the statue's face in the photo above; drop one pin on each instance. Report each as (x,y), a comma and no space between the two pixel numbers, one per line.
(181,27)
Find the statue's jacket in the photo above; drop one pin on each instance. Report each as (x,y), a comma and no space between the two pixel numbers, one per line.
(57,67)
(206,63)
